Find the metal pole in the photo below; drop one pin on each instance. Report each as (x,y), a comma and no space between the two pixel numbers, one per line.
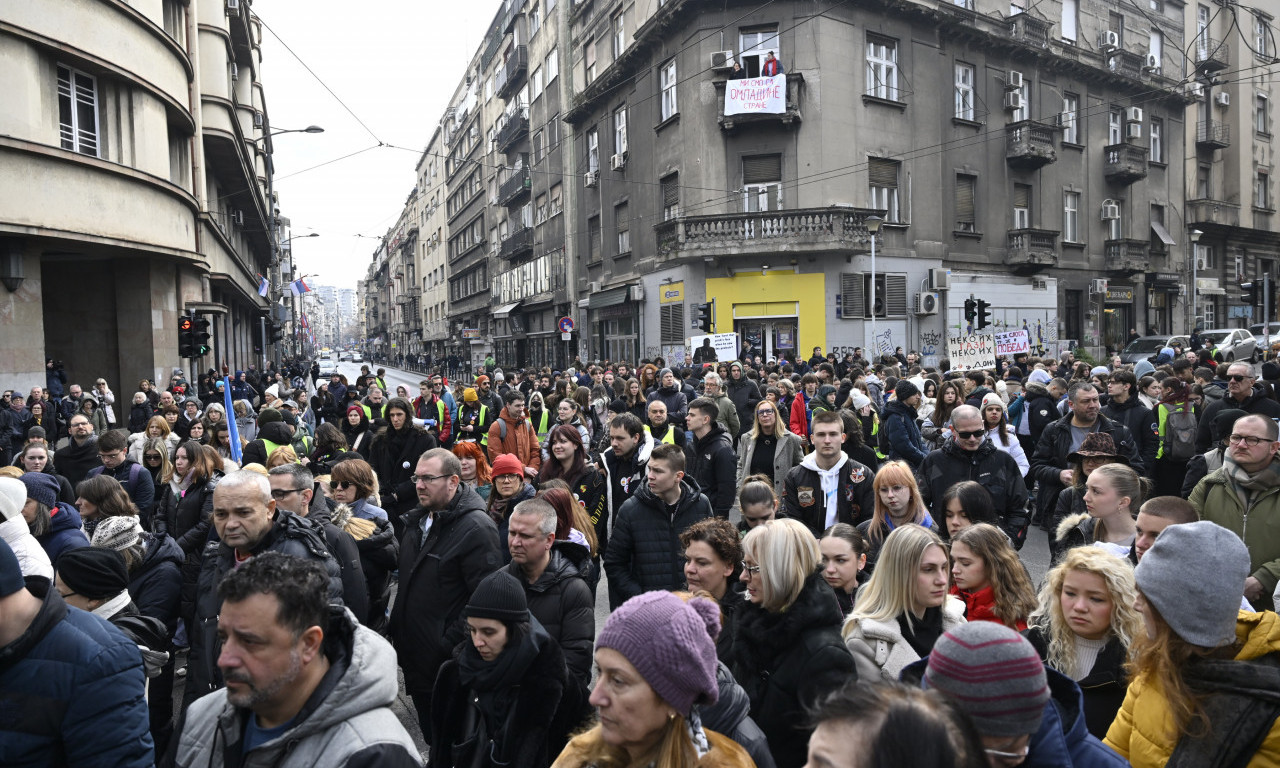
(1195,281)
(875,352)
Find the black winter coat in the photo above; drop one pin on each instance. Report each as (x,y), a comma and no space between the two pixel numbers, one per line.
(355,592)
(379,556)
(438,573)
(188,519)
(711,461)
(394,455)
(731,716)
(1050,455)
(745,395)
(802,496)
(155,586)
(786,661)
(563,604)
(902,432)
(1103,688)
(277,432)
(1257,402)
(644,550)
(991,468)
(1141,422)
(675,400)
(1041,409)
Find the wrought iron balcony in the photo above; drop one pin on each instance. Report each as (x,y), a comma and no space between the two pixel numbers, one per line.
(1029,144)
(1218,212)
(764,233)
(1213,134)
(516,187)
(1127,257)
(517,243)
(511,75)
(1125,163)
(1031,250)
(1211,55)
(515,126)
(1027,29)
(792,115)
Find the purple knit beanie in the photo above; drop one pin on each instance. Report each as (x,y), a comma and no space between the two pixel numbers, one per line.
(669,642)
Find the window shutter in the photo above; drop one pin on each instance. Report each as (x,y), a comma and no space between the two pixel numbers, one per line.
(964,199)
(1021,195)
(895,295)
(852,295)
(672,318)
(761,169)
(883,173)
(670,191)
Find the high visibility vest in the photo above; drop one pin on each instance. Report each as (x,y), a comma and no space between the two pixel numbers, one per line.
(669,438)
(875,430)
(484,434)
(270,446)
(543,426)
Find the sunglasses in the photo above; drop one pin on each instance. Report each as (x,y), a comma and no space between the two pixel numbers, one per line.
(340,485)
(150,456)
(970,435)
(1236,377)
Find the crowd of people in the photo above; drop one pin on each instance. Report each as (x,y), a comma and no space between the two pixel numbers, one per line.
(811,563)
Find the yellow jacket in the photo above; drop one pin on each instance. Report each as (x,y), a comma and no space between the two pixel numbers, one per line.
(1143,732)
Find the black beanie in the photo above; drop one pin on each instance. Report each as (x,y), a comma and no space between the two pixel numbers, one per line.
(94,572)
(499,597)
(1270,371)
(905,390)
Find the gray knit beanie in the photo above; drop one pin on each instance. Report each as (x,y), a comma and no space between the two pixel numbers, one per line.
(1199,604)
(994,674)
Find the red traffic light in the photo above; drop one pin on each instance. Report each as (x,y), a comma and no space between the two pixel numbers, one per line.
(184,324)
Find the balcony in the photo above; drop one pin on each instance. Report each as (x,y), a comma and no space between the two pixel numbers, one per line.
(1127,257)
(511,74)
(1031,250)
(1126,63)
(1029,144)
(792,115)
(1213,134)
(515,126)
(1125,163)
(515,188)
(402,299)
(1213,212)
(1211,55)
(1029,30)
(516,243)
(764,233)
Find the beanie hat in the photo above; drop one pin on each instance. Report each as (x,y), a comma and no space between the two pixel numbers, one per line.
(618,406)
(13,497)
(119,532)
(1142,368)
(469,395)
(507,464)
(860,400)
(906,390)
(93,572)
(355,407)
(482,379)
(41,487)
(681,668)
(268,416)
(1222,423)
(500,597)
(991,398)
(1199,604)
(995,673)
(1039,376)
(663,373)
(1270,371)
(11,579)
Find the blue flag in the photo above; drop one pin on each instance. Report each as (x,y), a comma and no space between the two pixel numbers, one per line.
(232,430)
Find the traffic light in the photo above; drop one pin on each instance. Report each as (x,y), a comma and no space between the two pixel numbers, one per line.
(705,313)
(277,332)
(984,314)
(970,310)
(186,341)
(1249,294)
(200,337)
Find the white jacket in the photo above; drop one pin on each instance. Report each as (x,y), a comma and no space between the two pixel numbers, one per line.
(32,558)
(879,650)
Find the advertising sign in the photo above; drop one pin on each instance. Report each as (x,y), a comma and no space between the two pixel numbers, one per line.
(725,345)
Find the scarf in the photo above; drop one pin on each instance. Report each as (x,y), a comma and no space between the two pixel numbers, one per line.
(112,606)
(1248,486)
(492,681)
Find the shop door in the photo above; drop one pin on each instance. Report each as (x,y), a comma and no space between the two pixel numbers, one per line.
(771,337)
(1116,322)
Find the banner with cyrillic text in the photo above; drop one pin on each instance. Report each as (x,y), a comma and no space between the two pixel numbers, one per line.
(756,95)
(1012,343)
(974,352)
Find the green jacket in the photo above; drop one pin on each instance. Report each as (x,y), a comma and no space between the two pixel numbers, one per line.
(728,417)
(1258,526)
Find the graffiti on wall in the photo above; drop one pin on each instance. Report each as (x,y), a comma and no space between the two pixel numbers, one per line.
(929,342)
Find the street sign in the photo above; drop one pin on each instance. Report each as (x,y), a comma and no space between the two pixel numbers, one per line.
(566,336)
(565,324)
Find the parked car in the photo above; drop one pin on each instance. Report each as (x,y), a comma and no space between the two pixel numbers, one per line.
(357,358)
(1232,343)
(1146,346)
(1265,342)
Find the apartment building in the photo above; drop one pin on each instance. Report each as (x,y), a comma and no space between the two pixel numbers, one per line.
(433,265)
(134,186)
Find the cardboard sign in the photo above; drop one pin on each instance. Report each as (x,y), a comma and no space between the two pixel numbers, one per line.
(1009,343)
(725,345)
(756,95)
(973,352)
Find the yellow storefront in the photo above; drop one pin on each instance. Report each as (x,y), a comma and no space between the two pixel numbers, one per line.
(779,311)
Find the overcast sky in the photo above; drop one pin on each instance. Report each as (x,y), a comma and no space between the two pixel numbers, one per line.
(395,64)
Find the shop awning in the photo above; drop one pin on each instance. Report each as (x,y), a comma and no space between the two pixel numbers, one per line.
(1162,233)
(609,298)
(505,310)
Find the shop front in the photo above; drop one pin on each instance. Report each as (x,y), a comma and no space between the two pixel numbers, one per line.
(1162,296)
(1117,317)
(615,325)
(779,313)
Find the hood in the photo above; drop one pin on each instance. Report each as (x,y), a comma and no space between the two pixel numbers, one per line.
(465,500)
(1067,524)
(277,432)
(715,434)
(561,568)
(63,518)
(1132,402)
(893,406)
(811,462)
(1259,634)
(731,708)
(159,548)
(1035,389)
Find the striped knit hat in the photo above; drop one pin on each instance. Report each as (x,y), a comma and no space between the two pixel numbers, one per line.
(994,674)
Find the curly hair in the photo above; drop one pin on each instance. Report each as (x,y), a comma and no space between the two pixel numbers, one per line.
(719,534)
(1015,598)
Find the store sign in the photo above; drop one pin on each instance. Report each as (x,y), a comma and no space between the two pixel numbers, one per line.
(756,95)
(976,351)
(1207,284)
(1119,294)
(470,333)
(671,293)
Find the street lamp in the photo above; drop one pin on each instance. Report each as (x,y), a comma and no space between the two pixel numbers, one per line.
(308,129)
(873,227)
(1195,277)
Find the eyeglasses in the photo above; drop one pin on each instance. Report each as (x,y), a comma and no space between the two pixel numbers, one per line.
(765,412)
(1236,377)
(427,478)
(337,485)
(970,435)
(1248,440)
(280,493)
(750,570)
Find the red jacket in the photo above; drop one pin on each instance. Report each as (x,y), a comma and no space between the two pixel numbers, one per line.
(799,421)
(980,606)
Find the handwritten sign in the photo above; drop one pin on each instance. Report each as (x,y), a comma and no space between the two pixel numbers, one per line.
(973,352)
(1012,343)
(756,95)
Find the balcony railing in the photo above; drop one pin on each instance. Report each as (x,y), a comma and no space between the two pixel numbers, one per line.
(1126,63)
(1029,144)
(516,243)
(1031,250)
(1027,29)
(1211,55)
(792,115)
(513,70)
(1219,212)
(515,187)
(1213,135)
(1127,256)
(1125,163)
(515,126)
(805,230)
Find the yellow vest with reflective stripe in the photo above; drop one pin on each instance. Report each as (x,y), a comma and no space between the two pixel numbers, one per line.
(669,438)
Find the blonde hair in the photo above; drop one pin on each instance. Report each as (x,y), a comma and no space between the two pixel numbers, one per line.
(780,430)
(891,592)
(159,422)
(894,472)
(282,455)
(787,554)
(1126,622)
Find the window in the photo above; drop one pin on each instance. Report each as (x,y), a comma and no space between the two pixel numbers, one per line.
(175,21)
(1206,256)
(964,91)
(762,183)
(1202,31)
(672,323)
(552,63)
(668,84)
(589,61)
(620,130)
(1158,244)
(593,150)
(1115,125)
(1115,23)
(1155,47)
(1021,206)
(593,240)
(882,68)
(78,111)
(1209,313)
(966,217)
(557,201)
(1114,229)
(1260,114)
(1070,118)
(1261,193)
(1261,37)
(754,44)
(964,3)
(619,36)
(670,197)
(1070,14)
(1071,217)
(1157,140)
(1202,181)
(179,159)
(535,20)
(883,183)
(623,224)
(553,133)
(535,84)
(537,141)
(540,212)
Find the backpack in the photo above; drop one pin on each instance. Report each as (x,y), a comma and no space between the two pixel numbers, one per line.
(1178,432)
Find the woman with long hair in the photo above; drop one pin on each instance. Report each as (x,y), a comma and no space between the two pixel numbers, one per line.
(905,606)
(393,454)
(155,459)
(330,445)
(572,523)
(46,421)
(157,429)
(569,414)
(635,399)
(649,379)
(213,415)
(768,448)
(996,421)
(989,578)
(844,562)
(34,457)
(100,497)
(1086,626)
(568,462)
(786,651)
(1197,642)
(475,467)
(185,512)
(1097,450)
(1174,410)
(352,484)
(898,502)
(712,555)
(937,427)
(1113,493)
(357,429)
(966,503)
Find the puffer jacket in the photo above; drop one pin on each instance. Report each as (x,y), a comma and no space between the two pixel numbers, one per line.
(32,559)
(1142,424)
(1041,408)
(1258,402)
(66,531)
(1139,732)
(786,661)
(563,604)
(676,402)
(1104,686)
(347,721)
(731,715)
(644,551)
(187,516)
(61,681)
(745,395)
(1050,456)
(586,749)
(710,460)
(903,433)
(879,649)
(155,586)
(521,441)
(991,468)
(1258,526)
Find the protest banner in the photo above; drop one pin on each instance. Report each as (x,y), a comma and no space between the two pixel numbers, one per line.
(725,345)
(971,353)
(756,95)
(1012,343)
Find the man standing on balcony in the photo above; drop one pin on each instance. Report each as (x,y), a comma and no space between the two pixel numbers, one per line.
(771,66)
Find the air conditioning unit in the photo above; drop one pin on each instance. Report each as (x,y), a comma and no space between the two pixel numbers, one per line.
(1133,114)
(1039,284)
(1110,210)
(1153,63)
(1013,80)
(1098,286)
(1109,40)
(1195,90)
(1222,99)
(1202,262)
(618,162)
(637,293)
(233,7)
(593,286)
(721,60)
(939,279)
(1133,131)
(258,120)
(238,218)
(590,178)
(1013,100)
(235,71)
(926,303)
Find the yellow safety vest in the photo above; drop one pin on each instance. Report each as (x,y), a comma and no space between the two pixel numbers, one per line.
(543,426)
(669,438)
